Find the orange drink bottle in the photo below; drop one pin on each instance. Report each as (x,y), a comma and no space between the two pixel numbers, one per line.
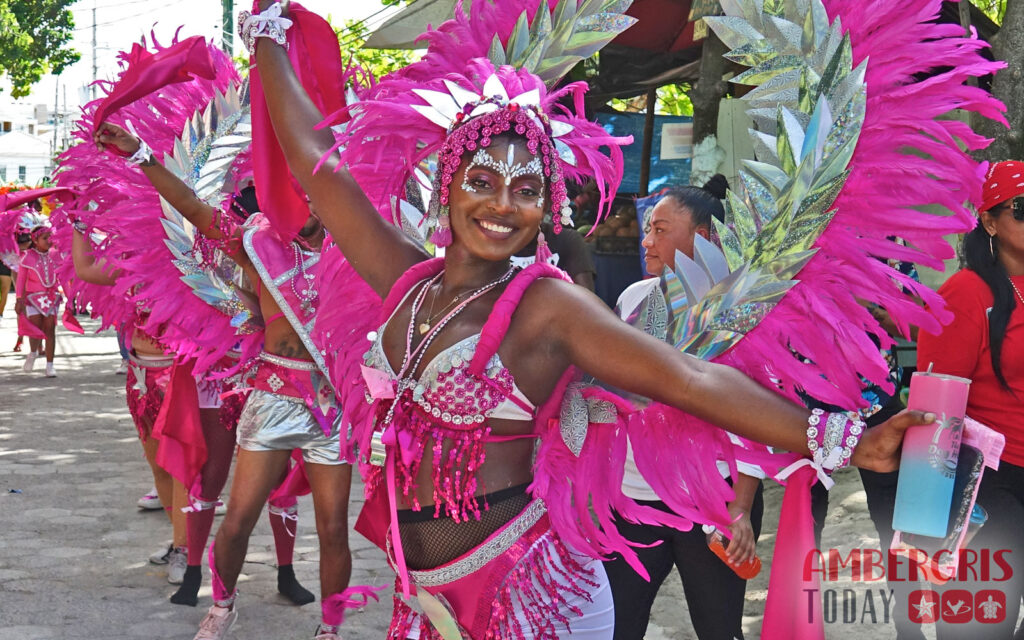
(747,570)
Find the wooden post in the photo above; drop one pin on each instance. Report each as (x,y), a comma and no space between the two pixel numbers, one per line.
(645,149)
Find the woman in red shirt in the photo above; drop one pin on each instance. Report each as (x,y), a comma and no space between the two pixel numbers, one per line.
(985,342)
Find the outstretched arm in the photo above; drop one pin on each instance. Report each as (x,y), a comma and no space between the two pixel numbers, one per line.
(632,360)
(87,267)
(378,251)
(172,189)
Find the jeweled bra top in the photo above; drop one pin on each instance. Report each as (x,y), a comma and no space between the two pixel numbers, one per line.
(448,392)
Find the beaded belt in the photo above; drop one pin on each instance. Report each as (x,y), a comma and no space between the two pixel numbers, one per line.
(285,376)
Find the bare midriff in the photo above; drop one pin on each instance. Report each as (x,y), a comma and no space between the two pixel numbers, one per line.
(280,338)
(144,344)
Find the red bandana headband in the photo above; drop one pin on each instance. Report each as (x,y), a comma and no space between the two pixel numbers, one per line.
(1004,181)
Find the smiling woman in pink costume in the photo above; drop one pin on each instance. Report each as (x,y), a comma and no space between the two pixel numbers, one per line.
(475,361)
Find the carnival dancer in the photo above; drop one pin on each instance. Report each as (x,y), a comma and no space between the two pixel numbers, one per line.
(281,413)
(38,290)
(194,499)
(220,407)
(13,244)
(473,359)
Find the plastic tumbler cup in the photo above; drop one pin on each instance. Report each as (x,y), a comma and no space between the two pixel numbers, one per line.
(930,453)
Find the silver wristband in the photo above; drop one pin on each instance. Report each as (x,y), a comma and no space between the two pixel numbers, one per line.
(144,155)
(268,24)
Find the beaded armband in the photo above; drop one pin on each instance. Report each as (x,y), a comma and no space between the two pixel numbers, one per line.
(80,226)
(268,24)
(832,437)
(228,241)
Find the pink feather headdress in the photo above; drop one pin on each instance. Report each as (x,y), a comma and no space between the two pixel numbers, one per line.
(456,98)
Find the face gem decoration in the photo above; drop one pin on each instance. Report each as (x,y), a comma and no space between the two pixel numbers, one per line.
(504,168)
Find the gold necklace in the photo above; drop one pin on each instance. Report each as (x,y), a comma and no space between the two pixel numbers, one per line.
(424,326)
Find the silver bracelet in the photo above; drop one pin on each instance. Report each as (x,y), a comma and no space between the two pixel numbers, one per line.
(80,227)
(268,24)
(832,444)
(143,155)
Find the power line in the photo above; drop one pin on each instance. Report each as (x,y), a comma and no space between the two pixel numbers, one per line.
(120,4)
(121,19)
(354,28)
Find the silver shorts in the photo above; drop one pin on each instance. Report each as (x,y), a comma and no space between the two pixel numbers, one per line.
(271,422)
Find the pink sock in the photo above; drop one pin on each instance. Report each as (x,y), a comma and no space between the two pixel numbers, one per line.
(221,597)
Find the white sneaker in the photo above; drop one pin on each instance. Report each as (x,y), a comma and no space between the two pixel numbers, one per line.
(150,501)
(326,635)
(122,369)
(30,362)
(177,562)
(216,624)
(162,556)
(50,371)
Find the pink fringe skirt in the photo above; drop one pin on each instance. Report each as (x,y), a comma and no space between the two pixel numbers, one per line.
(521,583)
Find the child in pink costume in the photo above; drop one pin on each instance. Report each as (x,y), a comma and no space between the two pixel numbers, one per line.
(38,291)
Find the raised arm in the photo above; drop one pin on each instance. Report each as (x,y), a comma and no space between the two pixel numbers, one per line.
(632,360)
(362,234)
(171,188)
(87,267)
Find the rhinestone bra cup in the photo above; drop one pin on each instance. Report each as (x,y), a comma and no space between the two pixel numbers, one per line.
(446,390)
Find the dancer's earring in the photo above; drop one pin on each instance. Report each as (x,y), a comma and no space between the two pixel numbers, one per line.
(543,251)
(991,246)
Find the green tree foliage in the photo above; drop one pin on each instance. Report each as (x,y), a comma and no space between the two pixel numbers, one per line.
(994,9)
(673,100)
(34,37)
(379,62)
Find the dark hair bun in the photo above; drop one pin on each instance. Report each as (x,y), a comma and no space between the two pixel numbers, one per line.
(717,186)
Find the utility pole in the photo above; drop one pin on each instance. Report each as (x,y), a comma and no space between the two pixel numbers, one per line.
(228,28)
(56,97)
(64,119)
(92,87)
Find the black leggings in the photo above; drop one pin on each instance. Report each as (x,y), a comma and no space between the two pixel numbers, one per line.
(714,594)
